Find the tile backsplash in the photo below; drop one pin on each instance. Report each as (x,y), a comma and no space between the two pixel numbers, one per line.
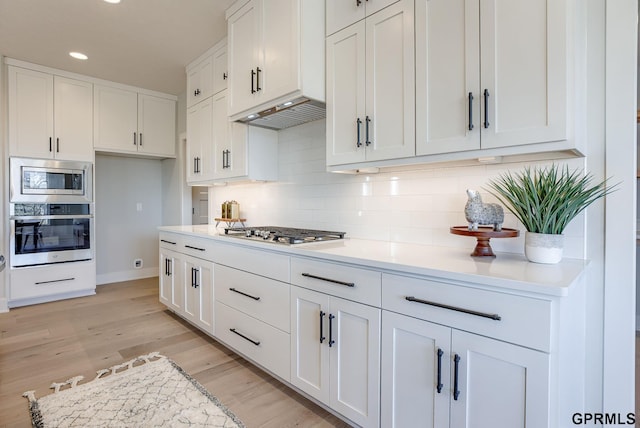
(416,206)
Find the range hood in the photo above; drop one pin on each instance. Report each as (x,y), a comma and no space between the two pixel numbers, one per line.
(285,115)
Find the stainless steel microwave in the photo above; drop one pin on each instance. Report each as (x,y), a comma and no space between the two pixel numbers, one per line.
(50,181)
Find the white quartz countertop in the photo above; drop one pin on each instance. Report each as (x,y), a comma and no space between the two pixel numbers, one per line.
(506,271)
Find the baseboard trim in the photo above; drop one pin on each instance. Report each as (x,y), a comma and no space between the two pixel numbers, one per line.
(4,305)
(127,275)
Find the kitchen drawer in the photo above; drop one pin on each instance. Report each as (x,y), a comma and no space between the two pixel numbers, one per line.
(260,297)
(256,340)
(259,262)
(352,283)
(171,241)
(41,281)
(523,320)
(202,248)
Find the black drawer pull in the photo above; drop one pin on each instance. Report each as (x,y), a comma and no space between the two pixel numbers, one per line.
(54,280)
(244,294)
(233,330)
(335,281)
(331,341)
(494,317)
(195,248)
(167,242)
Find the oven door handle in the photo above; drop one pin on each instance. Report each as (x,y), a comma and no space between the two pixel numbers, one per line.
(49,217)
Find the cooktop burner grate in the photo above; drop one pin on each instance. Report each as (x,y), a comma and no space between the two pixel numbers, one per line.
(283,235)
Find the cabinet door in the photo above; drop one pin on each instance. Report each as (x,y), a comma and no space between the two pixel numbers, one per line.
(199,140)
(200,81)
(115,119)
(205,296)
(191,309)
(220,72)
(237,162)
(448,93)
(171,280)
(390,94)
(30,113)
(309,343)
(355,361)
(525,77)
(500,385)
(156,125)
(345,74)
(220,147)
(243,38)
(280,48)
(415,372)
(73,119)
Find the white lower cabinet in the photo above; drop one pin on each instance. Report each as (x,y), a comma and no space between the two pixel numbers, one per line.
(437,375)
(171,290)
(197,282)
(335,346)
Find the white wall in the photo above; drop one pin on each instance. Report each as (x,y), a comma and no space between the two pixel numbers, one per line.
(417,206)
(123,233)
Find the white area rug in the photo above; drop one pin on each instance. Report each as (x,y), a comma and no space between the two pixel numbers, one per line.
(148,391)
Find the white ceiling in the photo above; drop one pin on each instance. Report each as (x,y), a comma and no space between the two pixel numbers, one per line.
(144,43)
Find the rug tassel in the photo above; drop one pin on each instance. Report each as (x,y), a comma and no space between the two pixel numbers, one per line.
(31,395)
(73,382)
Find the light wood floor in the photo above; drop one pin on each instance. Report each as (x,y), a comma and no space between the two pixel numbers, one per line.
(55,341)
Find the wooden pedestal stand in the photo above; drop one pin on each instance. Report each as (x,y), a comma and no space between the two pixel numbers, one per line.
(483,235)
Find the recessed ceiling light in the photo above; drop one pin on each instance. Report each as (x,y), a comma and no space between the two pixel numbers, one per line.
(78,55)
(113,1)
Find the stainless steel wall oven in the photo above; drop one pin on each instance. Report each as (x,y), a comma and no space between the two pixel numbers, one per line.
(51,211)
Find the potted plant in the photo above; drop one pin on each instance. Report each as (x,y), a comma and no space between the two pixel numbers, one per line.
(545,200)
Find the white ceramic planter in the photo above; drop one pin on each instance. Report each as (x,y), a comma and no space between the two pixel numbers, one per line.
(543,248)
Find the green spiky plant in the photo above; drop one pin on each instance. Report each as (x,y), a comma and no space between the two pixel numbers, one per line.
(545,200)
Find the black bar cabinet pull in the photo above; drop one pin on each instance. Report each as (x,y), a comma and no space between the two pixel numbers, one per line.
(335,281)
(50,144)
(253,73)
(166,267)
(486,108)
(195,248)
(57,145)
(366,131)
(168,242)
(258,88)
(54,281)
(244,294)
(358,124)
(141,139)
(494,317)
(331,341)
(196,283)
(439,386)
(170,266)
(224,76)
(255,342)
(456,363)
(358,2)
(470,111)
(193,276)
(322,338)
(135,141)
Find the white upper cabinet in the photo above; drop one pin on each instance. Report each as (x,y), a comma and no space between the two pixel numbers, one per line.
(207,75)
(275,50)
(371,88)
(49,116)
(342,13)
(480,83)
(128,122)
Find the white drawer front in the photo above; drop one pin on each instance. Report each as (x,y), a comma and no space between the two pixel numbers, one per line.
(260,297)
(52,279)
(359,285)
(171,241)
(260,262)
(523,320)
(202,248)
(260,342)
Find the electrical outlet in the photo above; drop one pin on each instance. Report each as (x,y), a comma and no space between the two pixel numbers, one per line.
(137,263)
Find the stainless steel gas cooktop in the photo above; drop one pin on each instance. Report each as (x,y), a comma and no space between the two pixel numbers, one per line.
(282,235)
